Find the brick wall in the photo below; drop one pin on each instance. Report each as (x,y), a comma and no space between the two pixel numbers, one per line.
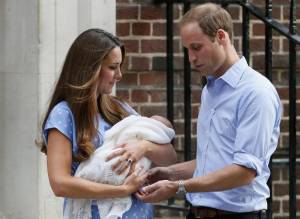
(141,26)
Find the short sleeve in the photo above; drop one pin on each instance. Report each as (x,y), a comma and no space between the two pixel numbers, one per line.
(128,108)
(60,118)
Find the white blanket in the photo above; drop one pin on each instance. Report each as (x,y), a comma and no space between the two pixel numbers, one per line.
(96,169)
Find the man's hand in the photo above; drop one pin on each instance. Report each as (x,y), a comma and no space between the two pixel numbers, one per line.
(159,173)
(158,191)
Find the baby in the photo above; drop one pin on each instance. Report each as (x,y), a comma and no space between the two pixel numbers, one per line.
(133,128)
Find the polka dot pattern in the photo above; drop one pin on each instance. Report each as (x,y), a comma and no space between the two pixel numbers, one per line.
(62,119)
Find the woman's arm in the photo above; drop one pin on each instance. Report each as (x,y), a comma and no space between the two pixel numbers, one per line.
(159,154)
(59,161)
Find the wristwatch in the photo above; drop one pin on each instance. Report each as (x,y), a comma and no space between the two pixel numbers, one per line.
(181,188)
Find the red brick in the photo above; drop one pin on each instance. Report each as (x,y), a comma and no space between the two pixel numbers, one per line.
(281,189)
(258,29)
(123,29)
(178,111)
(159,29)
(279,61)
(195,111)
(124,94)
(237,29)
(276,172)
(196,78)
(276,12)
(158,95)
(139,96)
(259,45)
(283,92)
(150,12)
(178,96)
(286,13)
(281,2)
(141,29)
(153,110)
(140,63)
(195,97)
(125,64)
(159,63)
(286,45)
(258,2)
(194,128)
(286,204)
(179,128)
(128,79)
(152,46)
(127,12)
(286,109)
(285,77)
(284,125)
(123,1)
(285,143)
(235,12)
(237,45)
(153,78)
(275,206)
(131,45)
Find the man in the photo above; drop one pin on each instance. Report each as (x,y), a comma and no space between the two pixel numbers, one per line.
(237,127)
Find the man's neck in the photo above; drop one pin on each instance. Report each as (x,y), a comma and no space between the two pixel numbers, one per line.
(231,58)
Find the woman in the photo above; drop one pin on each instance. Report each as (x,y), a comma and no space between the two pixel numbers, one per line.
(80,111)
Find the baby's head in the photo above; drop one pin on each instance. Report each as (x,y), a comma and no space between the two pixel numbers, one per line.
(163,120)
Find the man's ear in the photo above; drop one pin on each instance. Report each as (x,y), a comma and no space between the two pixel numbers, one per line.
(221,35)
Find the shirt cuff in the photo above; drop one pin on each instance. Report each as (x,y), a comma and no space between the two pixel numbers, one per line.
(249,161)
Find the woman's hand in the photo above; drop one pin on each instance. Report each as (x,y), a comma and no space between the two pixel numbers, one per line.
(128,153)
(135,180)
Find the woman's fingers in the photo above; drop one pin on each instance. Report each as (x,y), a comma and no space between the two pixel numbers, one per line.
(138,177)
(121,165)
(117,152)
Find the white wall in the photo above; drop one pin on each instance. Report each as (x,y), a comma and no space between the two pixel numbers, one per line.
(34,38)
(18,108)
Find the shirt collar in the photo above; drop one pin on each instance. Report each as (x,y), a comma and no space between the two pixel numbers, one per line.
(233,75)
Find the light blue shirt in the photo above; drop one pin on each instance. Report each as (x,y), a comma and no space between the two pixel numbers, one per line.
(238,123)
(62,119)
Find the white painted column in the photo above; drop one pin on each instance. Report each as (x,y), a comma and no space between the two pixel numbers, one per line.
(61,21)
(18,109)
(34,38)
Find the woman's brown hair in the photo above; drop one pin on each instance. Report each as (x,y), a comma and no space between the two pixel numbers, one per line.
(78,85)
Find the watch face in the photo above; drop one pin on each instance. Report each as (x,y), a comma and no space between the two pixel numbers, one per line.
(181,188)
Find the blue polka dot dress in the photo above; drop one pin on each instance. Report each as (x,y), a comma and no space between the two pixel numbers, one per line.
(61,118)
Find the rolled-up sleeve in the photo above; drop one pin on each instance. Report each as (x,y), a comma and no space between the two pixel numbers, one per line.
(255,126)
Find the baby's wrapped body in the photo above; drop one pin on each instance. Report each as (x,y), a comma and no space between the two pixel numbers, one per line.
(132,128)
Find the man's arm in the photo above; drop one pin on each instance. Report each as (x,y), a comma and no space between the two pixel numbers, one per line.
(226,178)
(177,171)
(229,177)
